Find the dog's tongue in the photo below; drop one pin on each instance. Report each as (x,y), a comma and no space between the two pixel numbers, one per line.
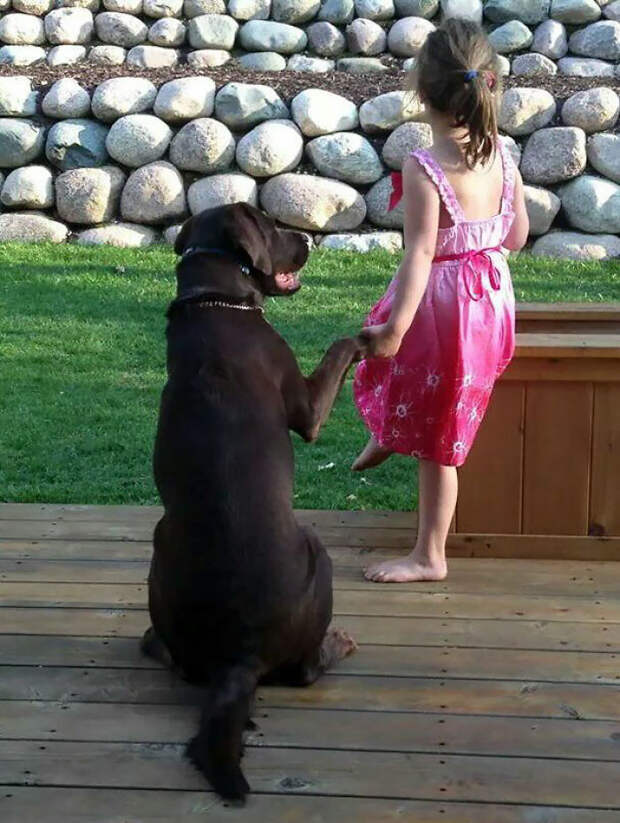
(286,281)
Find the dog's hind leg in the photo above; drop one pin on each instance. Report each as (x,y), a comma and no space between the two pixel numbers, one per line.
(153,646)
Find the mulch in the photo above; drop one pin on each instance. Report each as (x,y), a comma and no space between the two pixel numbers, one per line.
(355,87)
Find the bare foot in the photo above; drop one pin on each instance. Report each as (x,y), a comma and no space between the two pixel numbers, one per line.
(337,644)
(407,570)
(372,455)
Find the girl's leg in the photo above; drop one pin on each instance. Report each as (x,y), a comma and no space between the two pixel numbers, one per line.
(372,455)
(438,492)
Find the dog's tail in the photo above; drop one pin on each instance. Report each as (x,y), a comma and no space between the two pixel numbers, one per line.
(218,747)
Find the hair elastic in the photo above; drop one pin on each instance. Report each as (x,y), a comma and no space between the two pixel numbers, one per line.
(470,75)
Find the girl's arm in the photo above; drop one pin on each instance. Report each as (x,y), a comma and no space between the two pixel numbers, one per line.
(517,236)
(421,209)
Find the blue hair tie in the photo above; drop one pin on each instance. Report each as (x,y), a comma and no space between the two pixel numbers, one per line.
(470,75)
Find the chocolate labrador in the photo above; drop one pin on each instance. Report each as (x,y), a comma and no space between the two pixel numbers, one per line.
(239,592)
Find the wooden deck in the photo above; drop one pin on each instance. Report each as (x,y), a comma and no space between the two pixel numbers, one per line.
(493,697)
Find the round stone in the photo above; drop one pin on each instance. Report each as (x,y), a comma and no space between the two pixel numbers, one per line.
(66,99)
(592,204)
(171,233)
(523,111)
(416,8)
(122,95)
(194,8)
(575,12)
(462,10)
(212,31)
(241,105)
(124,6)
(271,148)
(73,144)
(612,11)
(361,65)
(387,111)
(345,156)
(207,58)
(294,11)
(91,5)
(532,64)
(22,30)
(185,99)
(168,32)
(122,235)
(592,110)
(120,29)
(574,246)
(138,139)
(604,155)
(30,187)
(527,11)
(151,57)
(407,36)
(249,9)
(21,142)
(263,61)
(405,139)
(267,35)
(163,8)
(551,40)
(365,37)
(377,203)
(69,26)
(390,241)
(600,40)
(326,40)
(318,112)
(204,145)
(553,155)
(376,9)
(584,67)
(512,36)
(17,98)
(316,65)
(21,55)
(221,190)
(338,12)
(154,194)
(36,7)
(542,208)
(31,228)
(107,55)
(66,55)
(313,203)
(89,196)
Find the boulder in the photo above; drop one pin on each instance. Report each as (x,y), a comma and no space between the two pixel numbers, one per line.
(167,32)
(375,9)
(416,8)
(89,196)
(338,12)
(21,55)
(66,55)
(21,142)
(124,6)
(163,8)
(318,112)
(360,65)
(171,233)
(185,99)
(390,241)
(66,99)
(263,61)
(604,155)
(267,35)
(120,29)
(575,12)
(365,37)
(526,110)
(463,10)
(313,203)
(326,40)
(553,155)
(107,55)
(154,194)
(377,202)
(194,8)
(316,65)
(30,187)
(407,36)
(151,57)
(91,5)
(37,7)
(17,97)
(271,148)
(573,246)
(241,105)
(294,11)
(542,208)
(122,95)
(527,11)
(592,110)
(592,204)
(204,145)
(387,111)
(122,235)
(31,228)
(212,31)
(550,39)
(584,67)
(405,139)
(69,26)
(207,58)
(138,139)
(531,64)
(600,40)
(22,30)
(76,143)
(245,10)
(221,190)
(612,11)
(510,37)
(345,156)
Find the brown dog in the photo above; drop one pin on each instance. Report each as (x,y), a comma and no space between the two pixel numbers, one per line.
(238,591)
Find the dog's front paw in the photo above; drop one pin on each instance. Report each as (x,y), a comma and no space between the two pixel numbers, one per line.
(362,347)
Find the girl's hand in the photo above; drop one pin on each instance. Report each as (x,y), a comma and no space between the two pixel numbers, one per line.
(382,340)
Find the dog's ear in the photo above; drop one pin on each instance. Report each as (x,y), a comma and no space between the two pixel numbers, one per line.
(183,236)
(252,232)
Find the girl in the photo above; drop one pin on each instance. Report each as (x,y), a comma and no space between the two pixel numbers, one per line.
(444,330)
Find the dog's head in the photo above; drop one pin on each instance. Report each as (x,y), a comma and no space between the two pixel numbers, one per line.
(242,233)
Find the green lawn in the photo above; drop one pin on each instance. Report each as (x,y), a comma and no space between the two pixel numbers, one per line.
(82,359)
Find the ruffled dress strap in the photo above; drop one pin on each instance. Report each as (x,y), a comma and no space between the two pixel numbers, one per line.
(509,169)
(437,175)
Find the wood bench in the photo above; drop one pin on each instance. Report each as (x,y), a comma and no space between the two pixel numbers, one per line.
(544,474)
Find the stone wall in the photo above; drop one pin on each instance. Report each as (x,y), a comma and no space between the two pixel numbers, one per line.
(574,37)
(129,162)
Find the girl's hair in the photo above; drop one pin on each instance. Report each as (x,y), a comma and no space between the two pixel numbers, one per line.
(457,73)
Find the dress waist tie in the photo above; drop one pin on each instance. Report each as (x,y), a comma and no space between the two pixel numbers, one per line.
(476,263)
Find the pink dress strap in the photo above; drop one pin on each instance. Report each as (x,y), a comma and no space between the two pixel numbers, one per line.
(437,175)
(508,167)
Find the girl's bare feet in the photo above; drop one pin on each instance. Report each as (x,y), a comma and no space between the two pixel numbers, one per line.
(414,567)
(372,455)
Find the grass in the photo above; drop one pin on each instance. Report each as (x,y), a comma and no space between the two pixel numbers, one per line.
(82,353)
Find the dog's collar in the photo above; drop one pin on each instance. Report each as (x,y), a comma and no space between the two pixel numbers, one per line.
(198,296)
(192,251)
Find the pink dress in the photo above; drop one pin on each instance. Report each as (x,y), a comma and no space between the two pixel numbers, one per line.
(429,400)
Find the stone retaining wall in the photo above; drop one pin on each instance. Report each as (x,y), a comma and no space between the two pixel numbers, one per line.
(75,163)
(576,37)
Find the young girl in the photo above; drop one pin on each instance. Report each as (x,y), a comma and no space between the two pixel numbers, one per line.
(444,330)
